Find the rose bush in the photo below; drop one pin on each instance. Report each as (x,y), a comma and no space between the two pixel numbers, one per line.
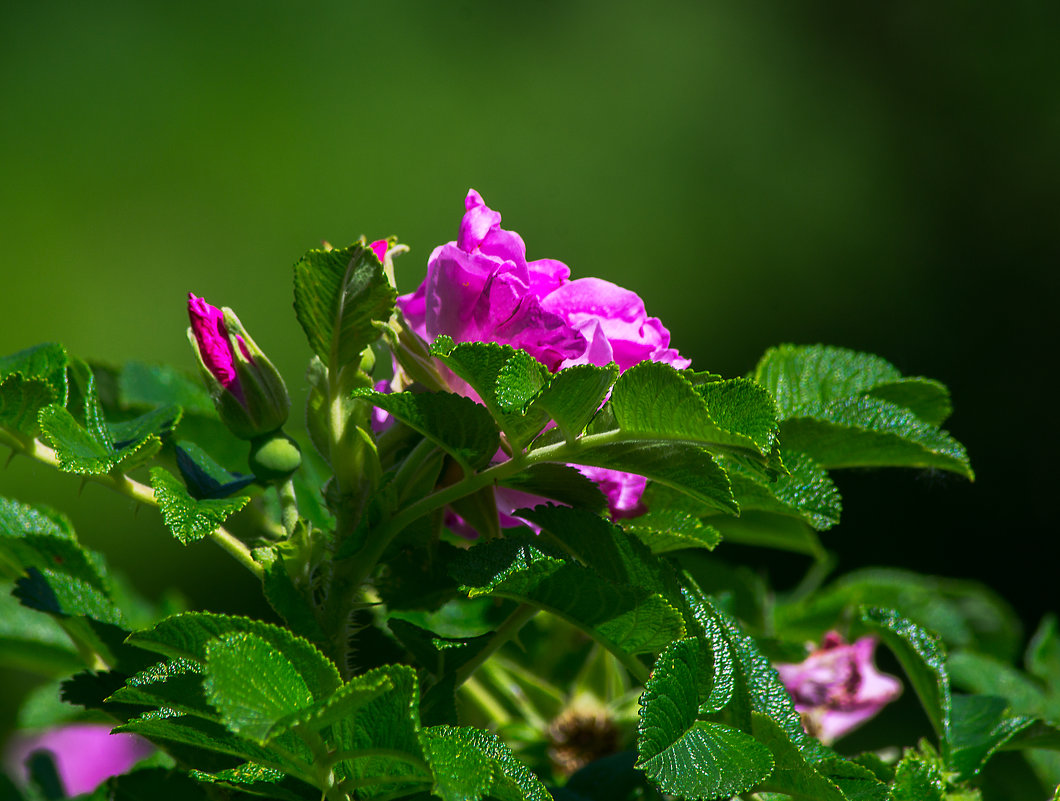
(481,288)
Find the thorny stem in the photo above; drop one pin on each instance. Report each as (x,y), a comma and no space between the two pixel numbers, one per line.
(119,482)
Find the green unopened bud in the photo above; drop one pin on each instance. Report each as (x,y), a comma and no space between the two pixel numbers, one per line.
(274,457)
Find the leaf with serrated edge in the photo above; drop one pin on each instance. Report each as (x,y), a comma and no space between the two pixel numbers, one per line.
(623,618)
(683,467)
(923,659)
(173,684)
(653,401)
(979,726)
(802,376)
(185,635)
(665,530)
(869,432)
(458,425)
(189,519)
(574,394)
(519,381)
(64,595)
(460,773)
(793,774)
(386,724)
(340,296)
(512,781)
(480,364)
(252,685)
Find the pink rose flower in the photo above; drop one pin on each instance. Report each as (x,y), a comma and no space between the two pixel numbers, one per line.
(837,687)
(86,754)
(481,288)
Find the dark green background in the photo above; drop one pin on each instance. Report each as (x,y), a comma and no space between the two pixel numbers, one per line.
(883,176)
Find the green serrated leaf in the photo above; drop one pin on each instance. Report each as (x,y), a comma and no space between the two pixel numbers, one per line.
(44,539)
(792,774)
(386,724)
(21,399)
(512,781)
(923,659)
(758,687)
(174,684)
(141,385)
(252,685)
(260,781)
(594,541)
(32,641)
(869,432)
(168,726)
(926,398)
(979,726)
(63,595)
(460,773)
(686,468)
(740,405)
(626,619)
(806,491)
(806,376)
(918,779)
(519,382)
(479,364)
(204,477)
(575,394)
(656,402)
(458,425)
(665,530)
(340,296)
(186,635)
(159,423)
(560,482)
(703,760)
(189,519)
(30,380)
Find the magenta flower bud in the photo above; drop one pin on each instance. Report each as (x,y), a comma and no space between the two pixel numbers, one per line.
(247,390)
(481,288)
(837,687)
(85,754)
(379,248)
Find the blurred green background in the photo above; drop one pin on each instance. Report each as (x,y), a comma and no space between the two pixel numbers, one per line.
(880,176)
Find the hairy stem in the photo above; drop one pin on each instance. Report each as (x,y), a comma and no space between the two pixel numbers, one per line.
(288,506)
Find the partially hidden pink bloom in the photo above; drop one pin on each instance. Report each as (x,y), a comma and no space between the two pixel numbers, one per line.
(85,754)
(837,687)
(481,288)
(379,248)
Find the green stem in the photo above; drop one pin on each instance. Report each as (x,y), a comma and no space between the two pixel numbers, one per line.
(389,753)
(119,482)
(322,764)
(508,629)
(288,506)
(497,714)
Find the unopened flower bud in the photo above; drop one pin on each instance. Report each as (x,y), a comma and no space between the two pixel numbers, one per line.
(274,457)
(247,390)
